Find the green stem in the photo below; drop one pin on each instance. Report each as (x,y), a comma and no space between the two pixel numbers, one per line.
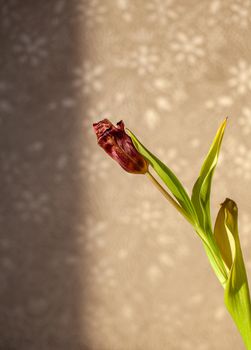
(169,197)
(216,262)
(208,241)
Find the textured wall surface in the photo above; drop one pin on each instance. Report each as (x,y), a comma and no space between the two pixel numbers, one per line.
(93,258)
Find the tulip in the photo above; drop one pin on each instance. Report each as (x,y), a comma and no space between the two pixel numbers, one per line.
(114,140)
(222,245)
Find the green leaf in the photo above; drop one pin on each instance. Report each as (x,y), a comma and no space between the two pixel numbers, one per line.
(223,240)
(167,177)
(202,187)
(236,295)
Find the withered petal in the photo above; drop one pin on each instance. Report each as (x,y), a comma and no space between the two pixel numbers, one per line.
(119,146)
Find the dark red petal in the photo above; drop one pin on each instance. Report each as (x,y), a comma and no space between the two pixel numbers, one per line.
(121,125)
(119,146)
(101,127)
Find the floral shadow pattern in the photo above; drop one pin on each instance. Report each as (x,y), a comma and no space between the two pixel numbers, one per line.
(84,265)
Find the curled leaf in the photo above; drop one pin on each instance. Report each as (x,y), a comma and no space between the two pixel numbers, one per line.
(236,295)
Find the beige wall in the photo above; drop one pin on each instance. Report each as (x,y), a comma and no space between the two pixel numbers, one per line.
(93,258)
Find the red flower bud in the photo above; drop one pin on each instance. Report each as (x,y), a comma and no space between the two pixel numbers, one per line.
(119,146)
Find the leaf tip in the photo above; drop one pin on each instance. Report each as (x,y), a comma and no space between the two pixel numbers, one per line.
(225,122)
(128,131)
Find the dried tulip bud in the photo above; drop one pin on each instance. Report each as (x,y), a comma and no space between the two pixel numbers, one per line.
(119,146)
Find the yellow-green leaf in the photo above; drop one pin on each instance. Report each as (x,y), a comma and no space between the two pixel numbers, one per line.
(223,240)
(168,177)
(202,187)
(236,295)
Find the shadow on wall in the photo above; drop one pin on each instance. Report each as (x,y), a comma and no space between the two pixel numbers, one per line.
(42,194)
